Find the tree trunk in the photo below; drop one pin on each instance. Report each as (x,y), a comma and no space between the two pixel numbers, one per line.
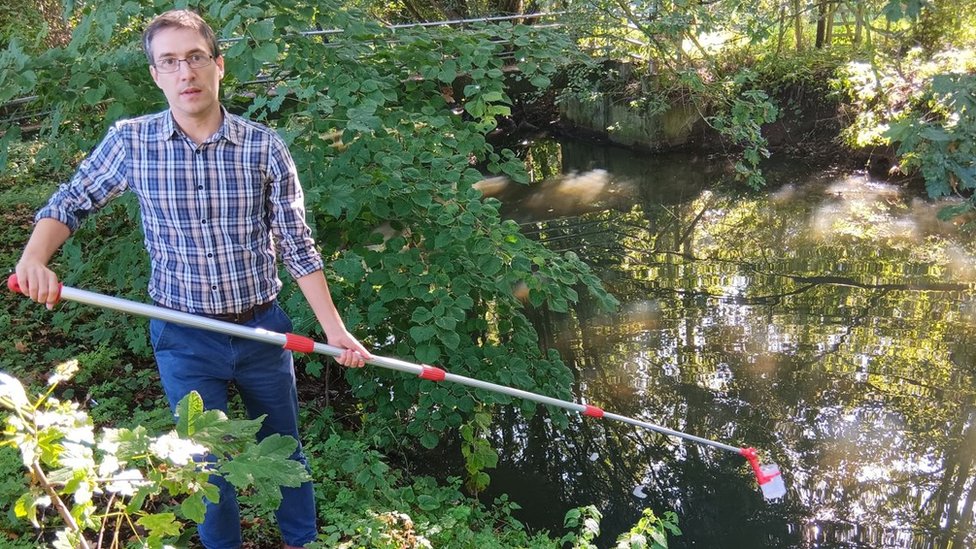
(798,24)
(782,29)
(821,24)
(829,31)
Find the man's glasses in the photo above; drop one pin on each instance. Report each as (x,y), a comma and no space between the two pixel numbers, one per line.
(172,64)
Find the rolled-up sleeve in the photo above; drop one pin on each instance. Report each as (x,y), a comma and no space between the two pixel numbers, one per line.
(287,215)
(100,178)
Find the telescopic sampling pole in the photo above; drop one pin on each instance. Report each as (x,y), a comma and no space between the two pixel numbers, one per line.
(768,476)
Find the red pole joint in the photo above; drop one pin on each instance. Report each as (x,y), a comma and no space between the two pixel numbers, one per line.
(432,373)
(299,344)
(592,411)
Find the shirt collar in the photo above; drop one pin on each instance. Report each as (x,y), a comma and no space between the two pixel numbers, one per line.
(229,129)
(167,127)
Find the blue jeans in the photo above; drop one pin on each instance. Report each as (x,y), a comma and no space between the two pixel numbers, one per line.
(191,359)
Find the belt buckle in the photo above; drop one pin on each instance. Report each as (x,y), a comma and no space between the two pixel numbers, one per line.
(243,316)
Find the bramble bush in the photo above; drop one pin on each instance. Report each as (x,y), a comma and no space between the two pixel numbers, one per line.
(126,481)
(134,488)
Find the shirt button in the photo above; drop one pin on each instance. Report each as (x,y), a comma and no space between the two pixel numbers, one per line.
(213,288)
(198,151)
(209,255)
(200,187)
(204,221)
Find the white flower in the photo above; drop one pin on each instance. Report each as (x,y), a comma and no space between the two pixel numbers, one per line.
(63,372)
(109,465)
(12,390)
(175,449)
(127,482)
(76,456)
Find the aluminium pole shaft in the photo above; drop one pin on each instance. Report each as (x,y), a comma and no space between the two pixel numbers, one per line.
(302,344)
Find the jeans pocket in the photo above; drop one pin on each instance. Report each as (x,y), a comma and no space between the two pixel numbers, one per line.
(157,331)
(278,320)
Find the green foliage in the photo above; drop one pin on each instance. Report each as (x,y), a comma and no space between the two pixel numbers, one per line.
(362,502)
(21,24)
(477,451)
(125,478)
(896,10)
(422,262)
(924,108)
(388,132)
(938,140)
(13,483)
(587,520)
(126,482)
(119,392)
(749,109)
(650,532)
(808,70)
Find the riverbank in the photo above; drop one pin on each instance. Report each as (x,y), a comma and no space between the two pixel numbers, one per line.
(818,118)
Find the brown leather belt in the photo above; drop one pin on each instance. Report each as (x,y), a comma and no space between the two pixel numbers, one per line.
(243,316)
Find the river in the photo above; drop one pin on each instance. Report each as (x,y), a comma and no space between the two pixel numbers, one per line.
(827,321)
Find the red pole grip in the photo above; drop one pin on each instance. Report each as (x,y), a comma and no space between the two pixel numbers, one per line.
(14,286)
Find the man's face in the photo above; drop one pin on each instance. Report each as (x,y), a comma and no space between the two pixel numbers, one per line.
(191,93)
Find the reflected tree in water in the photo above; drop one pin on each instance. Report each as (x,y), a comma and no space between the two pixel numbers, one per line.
(827,324)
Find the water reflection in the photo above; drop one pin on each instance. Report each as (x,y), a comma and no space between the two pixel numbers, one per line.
(828,322)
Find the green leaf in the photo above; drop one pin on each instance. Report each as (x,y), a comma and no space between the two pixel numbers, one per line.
(428,503)
(451,340)
(193,507)
(428,354)
(429,440)
(421,198)
(936,133)
(475,108)
(949,212)
(448,72)
(350,267)
(266,467)
(266,52)
(540,81)
(421,315)
(93,95)
(26,506)
(446,322)
(160,524)
(139,498)
(262,30)
(188,412)
(421,334)
(12,135)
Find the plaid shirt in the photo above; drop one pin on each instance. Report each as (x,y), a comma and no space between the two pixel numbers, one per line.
(212,213)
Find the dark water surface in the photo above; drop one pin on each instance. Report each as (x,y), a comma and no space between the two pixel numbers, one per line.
(828,322)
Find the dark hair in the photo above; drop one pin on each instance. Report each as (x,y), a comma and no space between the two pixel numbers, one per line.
(178,19)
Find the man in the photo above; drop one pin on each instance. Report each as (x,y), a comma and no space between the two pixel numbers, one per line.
(219,197)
